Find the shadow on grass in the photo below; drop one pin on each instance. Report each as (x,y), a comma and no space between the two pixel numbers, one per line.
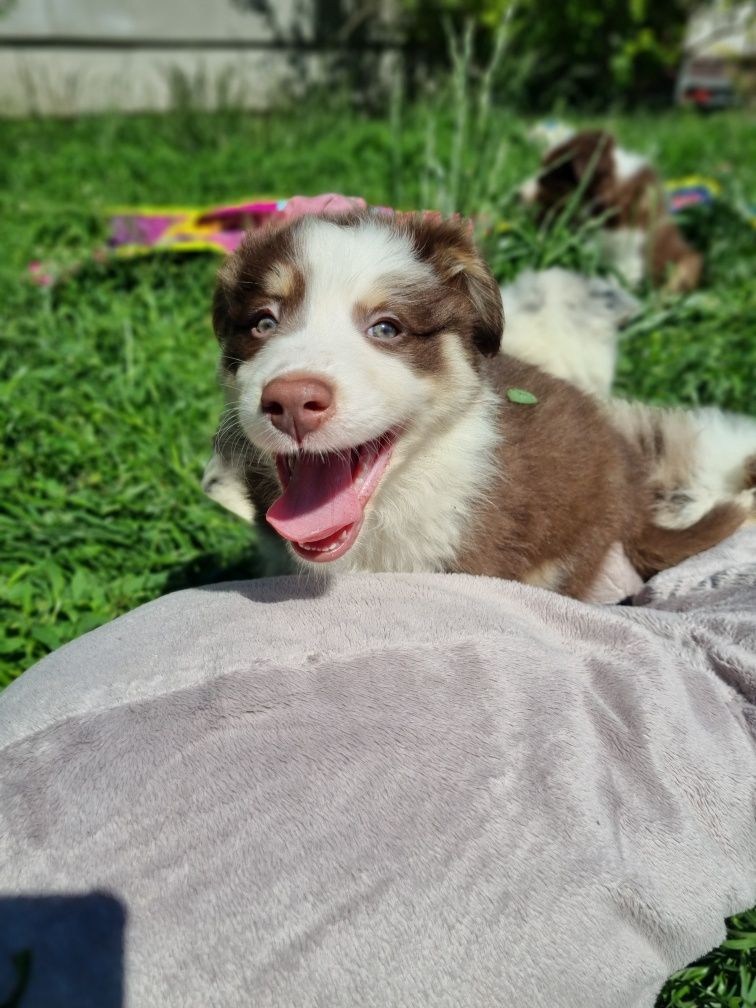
(265,557)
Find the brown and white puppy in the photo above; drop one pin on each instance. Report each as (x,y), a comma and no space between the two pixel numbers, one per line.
(369,413)
(637,236)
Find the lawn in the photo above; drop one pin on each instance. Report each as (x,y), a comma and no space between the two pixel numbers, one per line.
(108,383)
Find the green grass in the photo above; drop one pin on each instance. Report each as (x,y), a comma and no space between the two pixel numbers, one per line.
(108,379)
(725,978)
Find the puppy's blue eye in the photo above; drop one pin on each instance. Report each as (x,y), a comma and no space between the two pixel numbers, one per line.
(383,330)
(264,324)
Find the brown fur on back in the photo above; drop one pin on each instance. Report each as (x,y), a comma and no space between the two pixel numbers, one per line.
(570,486)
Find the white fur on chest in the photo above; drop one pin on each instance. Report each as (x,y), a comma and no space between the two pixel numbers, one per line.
(427,502)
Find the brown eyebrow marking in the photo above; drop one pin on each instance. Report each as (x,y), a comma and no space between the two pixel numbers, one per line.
(283,281)
(399,295)
(422,313)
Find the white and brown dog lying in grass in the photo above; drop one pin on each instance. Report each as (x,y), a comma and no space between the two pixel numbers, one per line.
(373,416)
(601,181)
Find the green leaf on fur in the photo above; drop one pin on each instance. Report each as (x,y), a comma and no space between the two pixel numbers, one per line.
(522,396)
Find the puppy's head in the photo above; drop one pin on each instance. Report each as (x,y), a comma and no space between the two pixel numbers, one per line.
(585,161)
(345,343)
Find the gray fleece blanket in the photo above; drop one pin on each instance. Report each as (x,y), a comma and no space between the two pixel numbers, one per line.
(396,791)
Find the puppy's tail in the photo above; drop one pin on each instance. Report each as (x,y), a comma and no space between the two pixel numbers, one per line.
(657,548)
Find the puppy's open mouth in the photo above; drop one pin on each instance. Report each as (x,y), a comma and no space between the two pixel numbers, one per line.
(324,496)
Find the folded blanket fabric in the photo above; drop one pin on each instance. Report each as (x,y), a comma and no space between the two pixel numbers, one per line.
(390,790)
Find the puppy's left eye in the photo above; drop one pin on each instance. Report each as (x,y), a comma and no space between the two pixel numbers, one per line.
(383,330)
(264,324)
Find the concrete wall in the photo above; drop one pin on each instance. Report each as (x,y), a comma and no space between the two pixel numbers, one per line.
(194,20)
(723,30)
(71,56)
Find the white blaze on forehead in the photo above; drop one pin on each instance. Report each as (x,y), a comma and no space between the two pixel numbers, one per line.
(350,263)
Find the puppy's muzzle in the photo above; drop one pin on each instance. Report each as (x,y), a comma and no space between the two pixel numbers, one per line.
(298,405)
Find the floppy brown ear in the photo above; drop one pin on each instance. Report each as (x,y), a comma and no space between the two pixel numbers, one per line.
(592,151)
(588,152)
(449,247)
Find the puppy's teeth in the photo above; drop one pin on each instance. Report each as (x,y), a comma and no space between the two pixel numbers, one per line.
(326,549)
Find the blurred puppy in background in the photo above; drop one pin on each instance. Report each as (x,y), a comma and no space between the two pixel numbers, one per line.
(621,189)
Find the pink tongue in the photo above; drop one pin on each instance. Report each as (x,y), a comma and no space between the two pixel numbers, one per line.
(319,500)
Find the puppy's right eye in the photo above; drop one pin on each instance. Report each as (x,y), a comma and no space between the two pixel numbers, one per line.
(384,330)
(263,324)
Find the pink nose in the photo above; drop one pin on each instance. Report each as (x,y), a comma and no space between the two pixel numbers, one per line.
(297,404)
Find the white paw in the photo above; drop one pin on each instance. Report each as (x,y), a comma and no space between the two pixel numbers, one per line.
(225,486)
